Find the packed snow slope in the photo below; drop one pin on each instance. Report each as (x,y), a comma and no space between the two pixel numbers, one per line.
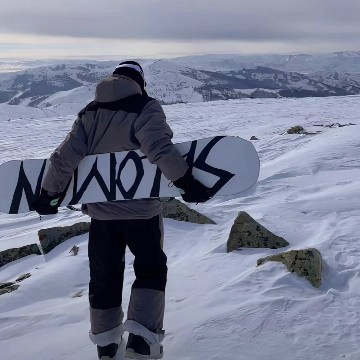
(219,306)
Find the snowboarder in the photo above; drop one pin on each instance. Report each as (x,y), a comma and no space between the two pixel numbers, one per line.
(123,117)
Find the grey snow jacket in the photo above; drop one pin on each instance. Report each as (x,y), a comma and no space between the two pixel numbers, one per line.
(119,119)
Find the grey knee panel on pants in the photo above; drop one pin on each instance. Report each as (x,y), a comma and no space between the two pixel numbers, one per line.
(104,320)
(147,307)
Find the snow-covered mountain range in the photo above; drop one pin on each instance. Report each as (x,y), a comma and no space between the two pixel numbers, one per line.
(305,63)
(191,79)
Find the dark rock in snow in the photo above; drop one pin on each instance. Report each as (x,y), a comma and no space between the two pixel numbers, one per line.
(248,233)
(305,263)
(336,125)
(13,254)
(295,130)
(6,284)
(74,250)
(50,238)
(23,277)
(175,209)
(8,287)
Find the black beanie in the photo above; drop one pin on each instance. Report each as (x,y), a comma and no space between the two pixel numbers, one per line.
(133,70)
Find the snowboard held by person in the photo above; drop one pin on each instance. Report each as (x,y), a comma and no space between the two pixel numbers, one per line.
(123,117)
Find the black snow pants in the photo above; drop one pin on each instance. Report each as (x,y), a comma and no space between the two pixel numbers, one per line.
(107,243)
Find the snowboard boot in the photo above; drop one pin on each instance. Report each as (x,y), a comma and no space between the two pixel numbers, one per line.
(138,348)
(107,352)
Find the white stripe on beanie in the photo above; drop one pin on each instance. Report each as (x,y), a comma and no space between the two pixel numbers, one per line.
(135,67)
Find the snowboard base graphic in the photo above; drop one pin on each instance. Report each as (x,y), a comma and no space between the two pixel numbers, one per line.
(229,165)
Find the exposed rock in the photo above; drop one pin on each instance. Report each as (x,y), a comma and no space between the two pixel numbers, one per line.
(23,277)
(50,238)
(254,138)
(306,263)
(248,233)
(13,254)
(8,287)
(300,130)
(6,284)
(175,209)
(335,125)
(74,250)
(78,294)
(296,130)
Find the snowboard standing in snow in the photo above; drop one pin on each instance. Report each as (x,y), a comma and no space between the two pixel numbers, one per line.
(226,164)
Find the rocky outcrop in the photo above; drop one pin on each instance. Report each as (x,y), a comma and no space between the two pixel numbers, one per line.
(74,250)
(300,130)
(335,125)
(8,287)
(295,130)
(78,294)
(175,209)
(23,277)
(306,263)
(254,138)
(7,256)
(50,238)
(248,233)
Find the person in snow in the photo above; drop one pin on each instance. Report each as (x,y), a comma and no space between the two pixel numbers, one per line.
(123,117)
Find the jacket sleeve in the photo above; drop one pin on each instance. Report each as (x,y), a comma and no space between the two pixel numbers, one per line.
(154,136)
(65,159)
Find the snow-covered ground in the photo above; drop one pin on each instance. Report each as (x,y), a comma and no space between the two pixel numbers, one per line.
(219,305)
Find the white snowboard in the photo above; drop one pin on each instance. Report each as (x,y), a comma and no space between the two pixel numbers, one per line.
(229,165)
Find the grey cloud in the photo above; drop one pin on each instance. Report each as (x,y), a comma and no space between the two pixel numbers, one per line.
(252,20)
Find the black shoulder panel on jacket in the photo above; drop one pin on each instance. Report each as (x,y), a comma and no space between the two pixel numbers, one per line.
(131,104)
(83,111)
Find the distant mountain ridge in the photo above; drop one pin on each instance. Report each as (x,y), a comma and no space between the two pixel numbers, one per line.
(346,61)
(192,79)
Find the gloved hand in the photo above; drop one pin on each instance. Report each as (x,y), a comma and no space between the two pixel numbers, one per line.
(47,203)
(192,190)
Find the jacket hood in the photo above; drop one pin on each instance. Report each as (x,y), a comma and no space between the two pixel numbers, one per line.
(116,87)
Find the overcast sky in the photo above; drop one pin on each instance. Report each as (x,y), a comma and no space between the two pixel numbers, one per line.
(158,28)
